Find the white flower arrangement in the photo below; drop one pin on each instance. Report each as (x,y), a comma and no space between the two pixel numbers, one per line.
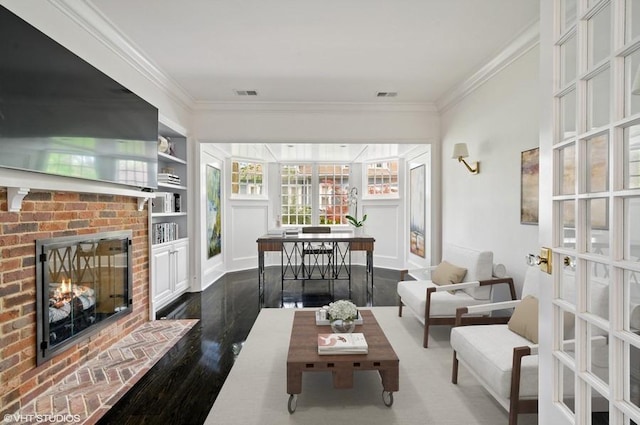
(342,310)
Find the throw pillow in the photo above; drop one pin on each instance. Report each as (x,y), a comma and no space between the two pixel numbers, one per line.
(524,320)
(447,274)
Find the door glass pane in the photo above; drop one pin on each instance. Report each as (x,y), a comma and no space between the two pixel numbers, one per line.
(632,299)
(568,115)
(632,157)
(597,342)
(567,174)
(598,164)
(568,282)
(599,36)
(598,289)
(632,229)
(568,61)
(632,24)
(568,14)
(598,230)
(568,223)
(567,386)
(633,391)
(567,332)
(598,100)
(632,83)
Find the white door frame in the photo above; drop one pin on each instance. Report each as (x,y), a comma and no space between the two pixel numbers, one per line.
(548,414)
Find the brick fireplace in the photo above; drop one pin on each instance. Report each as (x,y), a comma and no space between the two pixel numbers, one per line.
(46,214)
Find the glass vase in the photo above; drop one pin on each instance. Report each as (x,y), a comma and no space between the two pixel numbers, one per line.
(340,326)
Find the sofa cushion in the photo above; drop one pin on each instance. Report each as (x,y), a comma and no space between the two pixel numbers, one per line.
(413,294)
(524,320)
(488,350)
(447,274)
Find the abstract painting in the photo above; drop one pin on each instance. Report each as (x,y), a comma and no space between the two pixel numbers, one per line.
(214,212)
(529,181)
(417,210)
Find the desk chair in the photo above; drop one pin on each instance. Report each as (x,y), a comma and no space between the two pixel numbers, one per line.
(320,256)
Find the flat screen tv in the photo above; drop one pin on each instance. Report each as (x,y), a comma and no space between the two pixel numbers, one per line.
(60,115)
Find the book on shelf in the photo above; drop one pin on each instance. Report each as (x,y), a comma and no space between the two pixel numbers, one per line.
(163,202)
(334,343)
(177,202)
(168,178)
(164,232)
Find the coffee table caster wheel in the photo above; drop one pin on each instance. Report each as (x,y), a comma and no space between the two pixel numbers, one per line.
(387,398)
(293,403)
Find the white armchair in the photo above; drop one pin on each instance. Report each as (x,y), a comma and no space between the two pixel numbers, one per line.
(435,304)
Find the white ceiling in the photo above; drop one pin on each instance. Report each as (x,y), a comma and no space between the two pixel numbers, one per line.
(319,51)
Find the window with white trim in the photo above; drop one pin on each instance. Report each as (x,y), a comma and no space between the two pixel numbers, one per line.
(314,194)
(382,179)
(247,178)
(334,193)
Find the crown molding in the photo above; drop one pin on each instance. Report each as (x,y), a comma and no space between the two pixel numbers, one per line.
(525,41)
(314,107)
(88,17)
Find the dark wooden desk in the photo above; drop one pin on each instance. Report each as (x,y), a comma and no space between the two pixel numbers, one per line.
(294,249)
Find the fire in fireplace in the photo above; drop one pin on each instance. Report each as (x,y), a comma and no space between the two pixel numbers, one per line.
(83,283)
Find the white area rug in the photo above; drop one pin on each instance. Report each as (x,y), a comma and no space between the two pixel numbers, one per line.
(255,390)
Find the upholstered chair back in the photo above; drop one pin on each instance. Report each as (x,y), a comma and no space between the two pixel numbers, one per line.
(479,265)
(530,285)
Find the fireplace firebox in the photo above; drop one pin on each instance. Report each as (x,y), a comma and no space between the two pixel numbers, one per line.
(83,283)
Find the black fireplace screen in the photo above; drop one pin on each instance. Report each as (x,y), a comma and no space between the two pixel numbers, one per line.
(83,283)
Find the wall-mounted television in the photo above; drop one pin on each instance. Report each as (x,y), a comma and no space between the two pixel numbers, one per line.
(60,115)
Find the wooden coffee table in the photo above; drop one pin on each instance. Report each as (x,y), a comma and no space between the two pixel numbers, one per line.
(303,357)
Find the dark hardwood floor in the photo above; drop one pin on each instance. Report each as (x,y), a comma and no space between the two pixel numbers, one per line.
(182,386)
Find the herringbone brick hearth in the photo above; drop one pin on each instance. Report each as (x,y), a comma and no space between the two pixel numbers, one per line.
(86,394)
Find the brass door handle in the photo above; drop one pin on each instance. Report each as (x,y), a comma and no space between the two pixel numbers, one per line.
(543,260)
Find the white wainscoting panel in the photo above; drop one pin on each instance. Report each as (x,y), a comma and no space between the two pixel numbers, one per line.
(384,223)
(246,224)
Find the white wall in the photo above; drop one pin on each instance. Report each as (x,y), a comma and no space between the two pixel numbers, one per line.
(207,270)
(301,122)
(497,121)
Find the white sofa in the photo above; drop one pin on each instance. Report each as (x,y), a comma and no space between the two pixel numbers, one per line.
(436,305)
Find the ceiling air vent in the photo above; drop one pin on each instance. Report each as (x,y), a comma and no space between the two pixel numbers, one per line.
(246,92)
(387,94)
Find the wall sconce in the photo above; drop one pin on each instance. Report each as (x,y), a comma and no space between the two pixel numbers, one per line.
(461,152)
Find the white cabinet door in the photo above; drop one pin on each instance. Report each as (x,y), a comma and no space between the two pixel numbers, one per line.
(162,274)
(181,263)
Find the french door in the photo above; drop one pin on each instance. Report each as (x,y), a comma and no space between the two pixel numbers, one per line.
(590,146)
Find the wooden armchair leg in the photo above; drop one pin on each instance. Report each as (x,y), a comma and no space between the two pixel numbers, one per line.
(514,396)
(425,341)
(400,307)
(454,369)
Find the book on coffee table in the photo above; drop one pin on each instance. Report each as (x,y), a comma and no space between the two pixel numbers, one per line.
(342,343)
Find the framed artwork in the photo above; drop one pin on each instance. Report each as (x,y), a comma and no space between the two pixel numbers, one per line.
(529,182)
(214,212)
(417,207)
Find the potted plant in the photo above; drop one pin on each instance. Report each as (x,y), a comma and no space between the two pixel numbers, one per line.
(355,222)
(353,219)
